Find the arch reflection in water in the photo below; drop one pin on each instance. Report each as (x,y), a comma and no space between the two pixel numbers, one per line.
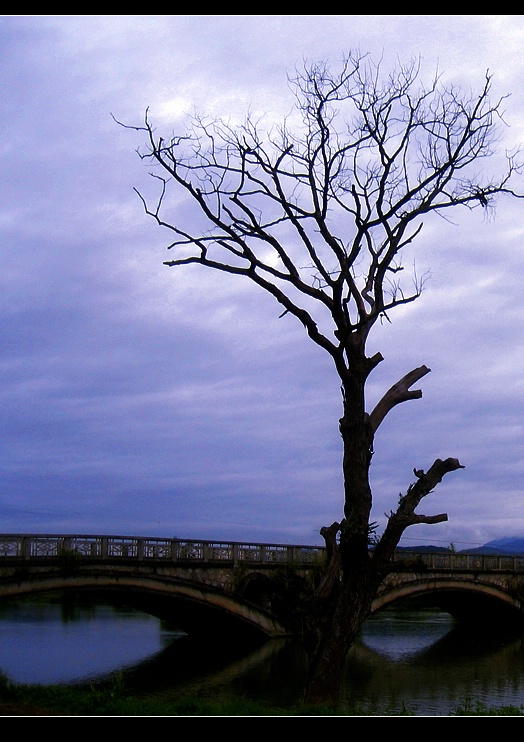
(68,639)
(425,661)
(61,639)
(400,635)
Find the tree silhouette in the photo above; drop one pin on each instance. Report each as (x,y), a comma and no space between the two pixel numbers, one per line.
(317,212)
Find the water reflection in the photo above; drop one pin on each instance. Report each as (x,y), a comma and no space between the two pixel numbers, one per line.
(399,635)
(55,640)
(428,663)
(272,672)
(420,660)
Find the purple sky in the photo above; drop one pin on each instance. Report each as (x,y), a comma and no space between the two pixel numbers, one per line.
(139,400)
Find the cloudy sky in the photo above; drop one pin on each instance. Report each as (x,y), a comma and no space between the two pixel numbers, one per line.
(141,400)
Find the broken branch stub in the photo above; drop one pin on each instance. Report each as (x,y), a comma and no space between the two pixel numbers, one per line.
(399,392)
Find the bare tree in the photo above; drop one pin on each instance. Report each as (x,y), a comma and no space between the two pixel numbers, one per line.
(318,212)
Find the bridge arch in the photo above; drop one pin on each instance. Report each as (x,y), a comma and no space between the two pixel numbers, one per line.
(226,584)
(477,602)
(193,608)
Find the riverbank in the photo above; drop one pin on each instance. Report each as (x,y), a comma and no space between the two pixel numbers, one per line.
(62,700)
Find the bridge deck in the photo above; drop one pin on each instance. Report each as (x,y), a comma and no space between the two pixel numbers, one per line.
(37,546)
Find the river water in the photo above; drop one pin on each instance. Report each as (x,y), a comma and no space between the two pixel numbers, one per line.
(419,660)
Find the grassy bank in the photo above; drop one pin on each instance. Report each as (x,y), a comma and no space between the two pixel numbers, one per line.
(63,700)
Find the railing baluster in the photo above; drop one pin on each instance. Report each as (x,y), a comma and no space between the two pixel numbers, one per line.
(26,547)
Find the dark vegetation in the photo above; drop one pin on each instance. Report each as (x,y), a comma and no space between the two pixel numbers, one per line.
(112,700)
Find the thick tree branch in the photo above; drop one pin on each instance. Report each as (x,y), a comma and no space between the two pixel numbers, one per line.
(405,515)
(399,392)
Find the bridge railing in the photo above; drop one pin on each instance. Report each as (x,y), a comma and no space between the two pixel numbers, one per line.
(28,547)
(460,562)
(33,547)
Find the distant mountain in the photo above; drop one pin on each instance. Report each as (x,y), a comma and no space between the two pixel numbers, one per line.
(430,549)
(511,545)
(486,550)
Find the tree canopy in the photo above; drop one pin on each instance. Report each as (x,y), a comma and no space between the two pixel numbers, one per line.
(318,210)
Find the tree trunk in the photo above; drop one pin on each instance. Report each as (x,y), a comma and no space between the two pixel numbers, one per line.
(345,610)
(353,574)
(340,626)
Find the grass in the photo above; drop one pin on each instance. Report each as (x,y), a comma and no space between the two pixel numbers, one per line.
(112,700)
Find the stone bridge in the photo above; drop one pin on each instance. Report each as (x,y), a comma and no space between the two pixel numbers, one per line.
(244,588)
